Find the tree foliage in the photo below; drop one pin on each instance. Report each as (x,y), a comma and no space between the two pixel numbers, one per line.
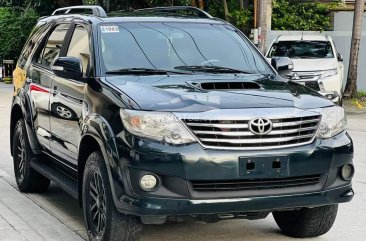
(15,26)
(309,16)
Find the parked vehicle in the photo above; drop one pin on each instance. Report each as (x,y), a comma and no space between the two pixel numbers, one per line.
(317,63)
(169,113)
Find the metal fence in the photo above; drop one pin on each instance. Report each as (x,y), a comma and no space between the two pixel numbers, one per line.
(341,35)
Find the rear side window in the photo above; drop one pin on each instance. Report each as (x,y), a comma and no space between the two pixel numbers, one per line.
(53,45)
(31,44)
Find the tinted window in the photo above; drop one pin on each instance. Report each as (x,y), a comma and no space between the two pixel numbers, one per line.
(31,43)
(79,47)
(168,45)
(302,49)
(53,45)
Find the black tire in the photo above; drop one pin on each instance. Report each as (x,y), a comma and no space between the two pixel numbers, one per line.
(97,197)
(27,179)
(306,222)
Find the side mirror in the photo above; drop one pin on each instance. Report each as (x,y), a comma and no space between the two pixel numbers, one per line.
(339,57)
(283,65)
(68,68)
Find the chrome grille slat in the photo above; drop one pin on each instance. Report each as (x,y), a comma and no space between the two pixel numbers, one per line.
(235,134)
(259,140)
(294,123)
(219,125)
(248,133)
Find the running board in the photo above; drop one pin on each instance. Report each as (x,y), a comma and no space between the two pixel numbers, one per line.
(45,168)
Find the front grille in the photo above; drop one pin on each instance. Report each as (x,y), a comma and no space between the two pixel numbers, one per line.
(236,134)
(254,184)
(312,85)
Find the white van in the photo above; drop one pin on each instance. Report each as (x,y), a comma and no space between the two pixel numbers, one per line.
(317,63)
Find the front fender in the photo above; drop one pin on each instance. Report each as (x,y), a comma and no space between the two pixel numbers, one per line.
(99,129)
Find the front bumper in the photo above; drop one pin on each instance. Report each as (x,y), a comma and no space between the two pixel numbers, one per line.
(148,206)
(178,167)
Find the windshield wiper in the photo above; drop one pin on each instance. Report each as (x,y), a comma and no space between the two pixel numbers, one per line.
(141,71)
(211,68)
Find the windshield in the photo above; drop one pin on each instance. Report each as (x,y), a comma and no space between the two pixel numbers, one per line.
(302,49)
(174,46)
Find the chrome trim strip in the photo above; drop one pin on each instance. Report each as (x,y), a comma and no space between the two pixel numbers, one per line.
(294,123)
(248,133)
(259,141)
(218,125)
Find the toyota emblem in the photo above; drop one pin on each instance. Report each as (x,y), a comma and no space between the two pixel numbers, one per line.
(260,126)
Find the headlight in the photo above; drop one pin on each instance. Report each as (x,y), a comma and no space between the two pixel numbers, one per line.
(160,126)
(329,73)
(333,122)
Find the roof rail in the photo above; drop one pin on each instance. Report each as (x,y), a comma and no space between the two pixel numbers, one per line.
(97,10)
(176,9)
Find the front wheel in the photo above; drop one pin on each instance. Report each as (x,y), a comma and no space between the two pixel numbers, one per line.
(306,222)
(103,222)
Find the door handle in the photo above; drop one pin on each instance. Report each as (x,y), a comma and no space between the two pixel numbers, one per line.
(54,92)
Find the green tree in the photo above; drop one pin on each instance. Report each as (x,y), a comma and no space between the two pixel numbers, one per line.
(15,26)
(309,16)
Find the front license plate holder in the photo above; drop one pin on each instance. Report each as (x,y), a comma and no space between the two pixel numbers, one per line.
(264,167)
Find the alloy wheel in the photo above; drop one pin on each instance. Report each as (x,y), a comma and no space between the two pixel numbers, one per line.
(63,112)
(21,156)
(97,202)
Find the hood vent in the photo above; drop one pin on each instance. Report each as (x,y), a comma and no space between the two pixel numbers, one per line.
(229,86)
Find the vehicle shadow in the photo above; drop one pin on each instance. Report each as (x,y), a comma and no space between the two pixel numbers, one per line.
(66,209)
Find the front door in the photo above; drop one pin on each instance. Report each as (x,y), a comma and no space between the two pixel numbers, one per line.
(67,101)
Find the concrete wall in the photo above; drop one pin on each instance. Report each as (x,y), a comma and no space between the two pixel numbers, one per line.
(341,35)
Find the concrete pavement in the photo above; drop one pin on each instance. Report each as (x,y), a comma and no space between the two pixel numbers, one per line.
(56,216)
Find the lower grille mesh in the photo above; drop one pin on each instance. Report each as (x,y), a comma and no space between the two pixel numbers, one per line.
(254,184)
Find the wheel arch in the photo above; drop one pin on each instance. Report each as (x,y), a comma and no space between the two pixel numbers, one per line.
(97,135)
(16,114)
(88,145)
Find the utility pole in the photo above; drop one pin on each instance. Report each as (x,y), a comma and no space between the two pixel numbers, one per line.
(265,22)
(351,86)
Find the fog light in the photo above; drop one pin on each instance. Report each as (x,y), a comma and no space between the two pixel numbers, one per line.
(148,182)
(347,172)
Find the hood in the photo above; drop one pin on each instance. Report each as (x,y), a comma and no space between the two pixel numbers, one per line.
(301,65)
(182,93)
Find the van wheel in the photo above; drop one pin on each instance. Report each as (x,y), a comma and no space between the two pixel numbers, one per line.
(103,222)
(27,179)
(306,222)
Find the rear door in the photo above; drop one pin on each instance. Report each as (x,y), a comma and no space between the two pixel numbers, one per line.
(68,97)
(41,76)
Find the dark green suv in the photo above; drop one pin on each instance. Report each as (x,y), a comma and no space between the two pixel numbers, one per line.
(169,112)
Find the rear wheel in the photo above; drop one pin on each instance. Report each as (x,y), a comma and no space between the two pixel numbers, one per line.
(306,222)
(27,179)
(103,222)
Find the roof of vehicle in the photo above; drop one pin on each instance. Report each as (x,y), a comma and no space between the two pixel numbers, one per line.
(305,37)
(160,14)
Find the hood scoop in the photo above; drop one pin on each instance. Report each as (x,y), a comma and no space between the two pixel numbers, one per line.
(230,85)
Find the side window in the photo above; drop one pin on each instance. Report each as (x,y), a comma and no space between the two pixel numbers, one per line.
(31,43)
(53,45)
(79,47)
